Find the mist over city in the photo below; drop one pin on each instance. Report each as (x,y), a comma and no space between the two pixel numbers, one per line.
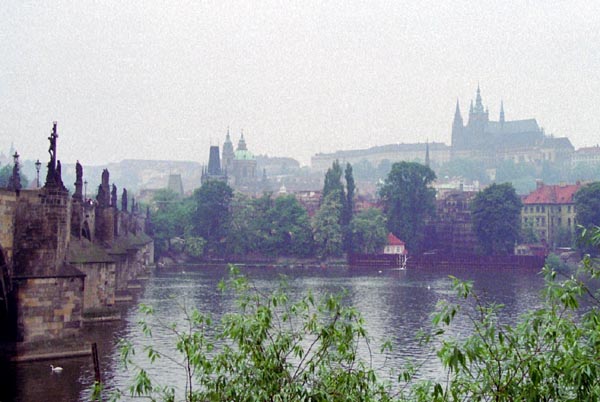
(164,80)
(302,201)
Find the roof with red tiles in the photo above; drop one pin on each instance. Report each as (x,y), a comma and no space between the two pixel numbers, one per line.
(552,194)
(394,241)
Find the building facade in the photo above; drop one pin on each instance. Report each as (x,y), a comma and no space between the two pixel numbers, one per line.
(550,212)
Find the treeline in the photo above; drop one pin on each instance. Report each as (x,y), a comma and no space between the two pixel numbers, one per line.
(216,222)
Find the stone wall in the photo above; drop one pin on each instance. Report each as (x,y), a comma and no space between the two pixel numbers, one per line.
(105,224)
(42,232)
(49,308)
(99,284)
(8,207)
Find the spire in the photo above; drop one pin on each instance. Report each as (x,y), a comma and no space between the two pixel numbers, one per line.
(457,116)
(227,137)
(502,112)
(427,161)
(242,143)
(478,103)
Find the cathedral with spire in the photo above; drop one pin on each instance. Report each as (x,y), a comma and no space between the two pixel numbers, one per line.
(491,141)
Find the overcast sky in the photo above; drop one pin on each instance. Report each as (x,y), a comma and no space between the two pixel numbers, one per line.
(164,79)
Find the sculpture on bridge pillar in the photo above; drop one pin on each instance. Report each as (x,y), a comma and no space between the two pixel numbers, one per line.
(78,194)
(113,196)
(14,182)
(53,175)
(124,200)
(103,196)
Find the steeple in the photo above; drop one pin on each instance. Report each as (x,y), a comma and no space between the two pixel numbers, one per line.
(501,112)
(242,144)
(478,103)
(427,153)
(457,115)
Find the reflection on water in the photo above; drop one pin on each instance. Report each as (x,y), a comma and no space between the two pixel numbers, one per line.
(395,305)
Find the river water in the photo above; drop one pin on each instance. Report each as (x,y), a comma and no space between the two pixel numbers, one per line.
(395,305)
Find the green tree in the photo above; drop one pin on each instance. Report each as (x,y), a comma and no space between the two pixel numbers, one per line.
(211,215)
(291,230)
(496,217)
(333,180)
(528,233)
(587,205)
(170,218)
(369,232)
(242,236)
(408,201)
(326,227)
(348,208)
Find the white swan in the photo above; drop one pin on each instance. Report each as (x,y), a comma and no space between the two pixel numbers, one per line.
(56,369)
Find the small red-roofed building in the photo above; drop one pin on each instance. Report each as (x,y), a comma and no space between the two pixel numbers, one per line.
(550,211)
(394,246)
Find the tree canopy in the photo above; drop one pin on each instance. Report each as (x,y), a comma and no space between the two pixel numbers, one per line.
(369,232)
(326,227)
(496,217)
(587,205)
(408,201)
(211,215)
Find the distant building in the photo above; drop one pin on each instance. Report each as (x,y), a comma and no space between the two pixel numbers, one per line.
(394,245)
(589,156)
(175,184)
(310,200)
(451,230)
(550,209)
(213,171)
(494,141)
(434,153)
(240,167)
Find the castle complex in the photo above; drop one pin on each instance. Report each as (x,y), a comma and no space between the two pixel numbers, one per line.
(494,141)
(481,139)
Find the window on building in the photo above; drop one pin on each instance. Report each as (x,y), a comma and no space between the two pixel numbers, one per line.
(569,222)
(543,208)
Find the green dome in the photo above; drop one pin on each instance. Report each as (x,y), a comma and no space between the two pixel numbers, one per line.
(244,155)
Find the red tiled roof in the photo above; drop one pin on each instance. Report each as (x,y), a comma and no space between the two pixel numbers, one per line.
(552,194)
(394,241)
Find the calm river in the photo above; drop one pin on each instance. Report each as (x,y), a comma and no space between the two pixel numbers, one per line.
(395,305)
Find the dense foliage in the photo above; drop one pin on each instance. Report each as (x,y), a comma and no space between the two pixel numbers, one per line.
(408,201)
(587,205)
(368,230)
(496,217)
(327,229)
(211,215)
(333,184)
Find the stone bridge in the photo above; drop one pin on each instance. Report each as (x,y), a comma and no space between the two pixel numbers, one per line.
(62,255)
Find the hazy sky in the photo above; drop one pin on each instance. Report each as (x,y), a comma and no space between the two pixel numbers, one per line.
(164,79)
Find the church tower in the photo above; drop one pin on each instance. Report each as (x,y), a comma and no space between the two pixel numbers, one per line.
(457,128)
(478,118)
(228,154)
